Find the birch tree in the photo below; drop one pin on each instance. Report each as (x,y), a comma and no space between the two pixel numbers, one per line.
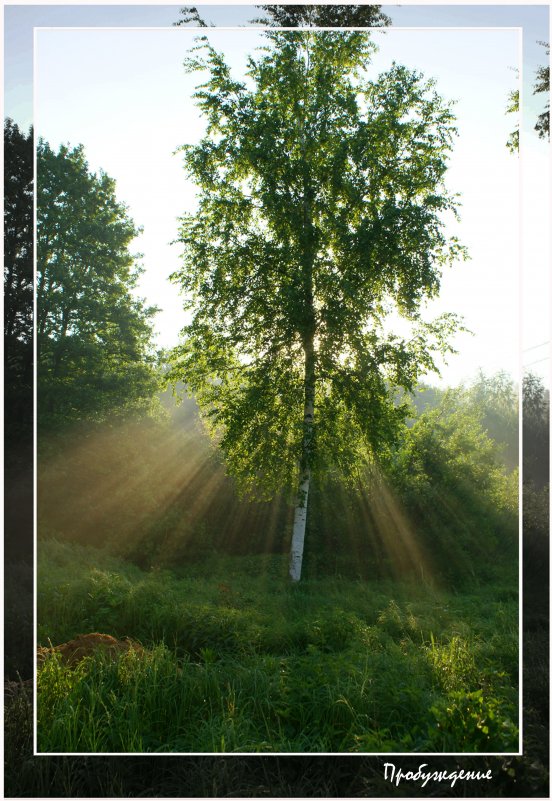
(320,210)
(324,16)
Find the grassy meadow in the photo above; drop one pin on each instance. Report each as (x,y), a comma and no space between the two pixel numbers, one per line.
(402,635)
(239,660)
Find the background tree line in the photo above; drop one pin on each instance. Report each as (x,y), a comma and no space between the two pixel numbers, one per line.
(95,353)
(94,336)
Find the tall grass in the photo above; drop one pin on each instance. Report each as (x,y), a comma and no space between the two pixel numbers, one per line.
(239,660)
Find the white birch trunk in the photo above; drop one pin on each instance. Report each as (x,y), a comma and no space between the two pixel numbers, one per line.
(299,524)
(300,518)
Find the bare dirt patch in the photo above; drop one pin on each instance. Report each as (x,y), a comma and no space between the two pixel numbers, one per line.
(84,645)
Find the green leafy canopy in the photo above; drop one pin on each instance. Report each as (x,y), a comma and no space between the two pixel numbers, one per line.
(93,334)
(321,208)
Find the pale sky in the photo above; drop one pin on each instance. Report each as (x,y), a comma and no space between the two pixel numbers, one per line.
(124,95)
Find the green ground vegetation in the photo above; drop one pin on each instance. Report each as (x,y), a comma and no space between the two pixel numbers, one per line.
(402,636)
(239,660)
